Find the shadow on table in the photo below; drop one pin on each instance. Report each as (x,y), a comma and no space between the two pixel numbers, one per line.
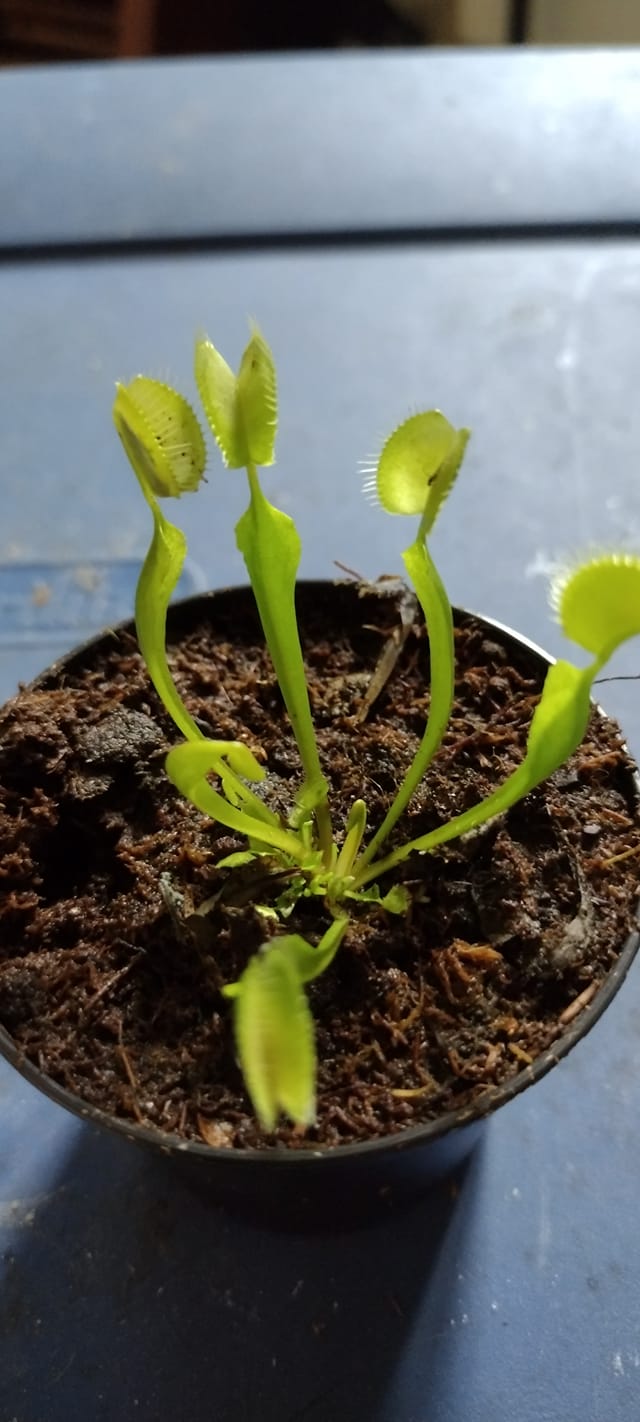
(129,1299)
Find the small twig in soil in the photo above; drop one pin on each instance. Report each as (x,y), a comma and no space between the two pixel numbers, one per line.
(447,966)
(485,736)
(618,858)
(614,817)
(351,573)
(415,1014)
(391,651)
(131,1078)
(111,982)
(480,953)
(582,1000)
(607,760)
(468,1071)
(492,1058)
(390,1025)
(519,1053)
(407,1093)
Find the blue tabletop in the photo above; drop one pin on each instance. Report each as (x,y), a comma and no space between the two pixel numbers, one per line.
(516,1294)
(351,142)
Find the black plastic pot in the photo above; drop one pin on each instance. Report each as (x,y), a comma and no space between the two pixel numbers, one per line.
(311,1185)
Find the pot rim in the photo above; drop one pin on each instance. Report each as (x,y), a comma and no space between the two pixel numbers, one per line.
(421,1135)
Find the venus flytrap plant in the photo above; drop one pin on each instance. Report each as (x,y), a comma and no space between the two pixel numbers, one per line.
(598,605)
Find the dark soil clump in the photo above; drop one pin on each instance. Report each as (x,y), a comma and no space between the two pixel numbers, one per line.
(109,978)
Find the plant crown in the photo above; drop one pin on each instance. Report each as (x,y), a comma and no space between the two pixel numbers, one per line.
(597,604)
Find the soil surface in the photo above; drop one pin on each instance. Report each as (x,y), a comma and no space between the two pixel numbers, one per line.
(109,977)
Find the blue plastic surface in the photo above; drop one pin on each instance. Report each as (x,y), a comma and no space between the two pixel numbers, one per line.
(123,1295)
(324,143)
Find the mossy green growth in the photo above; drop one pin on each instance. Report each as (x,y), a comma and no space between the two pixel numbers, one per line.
(598,606)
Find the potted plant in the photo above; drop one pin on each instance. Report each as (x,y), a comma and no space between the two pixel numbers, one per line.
(178,915)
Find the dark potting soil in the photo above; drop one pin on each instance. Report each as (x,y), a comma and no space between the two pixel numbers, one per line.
(109,977)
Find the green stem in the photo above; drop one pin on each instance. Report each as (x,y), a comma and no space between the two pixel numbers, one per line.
(495,804)
(158,578)
(557,728)
(439,620)
(269,543)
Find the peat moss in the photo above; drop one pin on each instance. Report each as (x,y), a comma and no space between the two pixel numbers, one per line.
(109,978)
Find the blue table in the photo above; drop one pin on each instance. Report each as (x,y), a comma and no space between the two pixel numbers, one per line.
(451,229)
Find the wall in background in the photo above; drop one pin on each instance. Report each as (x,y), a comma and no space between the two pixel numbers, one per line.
(584,21)
(33,30)
(486,22)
